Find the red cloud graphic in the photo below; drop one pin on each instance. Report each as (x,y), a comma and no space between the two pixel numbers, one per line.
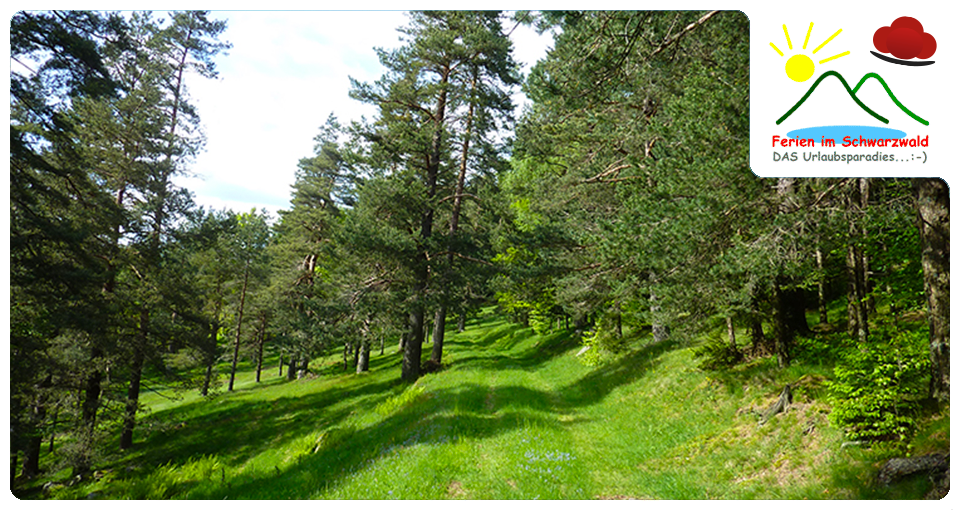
(905,39)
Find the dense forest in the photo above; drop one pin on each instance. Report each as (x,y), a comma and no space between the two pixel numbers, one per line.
(618,206)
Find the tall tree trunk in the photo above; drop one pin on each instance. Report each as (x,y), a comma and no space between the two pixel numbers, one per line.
(658,328)
(53,428)
(133,391)
(821,290)
(214,340)
(790,303)
(236,342)
(363,359)
(856,289)
(207,379)
(31,456)
(731,333)
(782,332)
(92,390)
(261,339)
(210,359)
(461,322)
(870,304)
(795,310)
(304,366)
(292,367)
(440,323)
(34,442)
(410,366)
(856,306)
(933,207)
(757,338)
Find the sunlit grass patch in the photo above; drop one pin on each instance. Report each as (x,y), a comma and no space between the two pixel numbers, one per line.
(515,416)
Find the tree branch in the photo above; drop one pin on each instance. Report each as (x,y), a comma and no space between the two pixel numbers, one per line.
(677,37)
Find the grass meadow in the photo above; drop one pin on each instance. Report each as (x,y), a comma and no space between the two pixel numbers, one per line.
(514,415)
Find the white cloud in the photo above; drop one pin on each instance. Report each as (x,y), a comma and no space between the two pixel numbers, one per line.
(287,71)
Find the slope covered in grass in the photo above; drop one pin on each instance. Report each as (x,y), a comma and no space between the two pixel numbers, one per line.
(513,415)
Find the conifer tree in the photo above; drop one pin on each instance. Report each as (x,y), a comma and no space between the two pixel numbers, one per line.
(427,80)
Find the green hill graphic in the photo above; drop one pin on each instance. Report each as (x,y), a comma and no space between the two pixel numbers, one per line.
(853,95)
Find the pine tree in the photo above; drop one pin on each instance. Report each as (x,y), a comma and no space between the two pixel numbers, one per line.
(426,81)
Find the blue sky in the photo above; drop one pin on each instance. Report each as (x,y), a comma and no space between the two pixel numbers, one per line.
(287,71)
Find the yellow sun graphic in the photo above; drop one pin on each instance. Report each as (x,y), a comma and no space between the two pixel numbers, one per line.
(800,67)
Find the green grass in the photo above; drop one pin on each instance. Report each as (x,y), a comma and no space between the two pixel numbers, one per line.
(514,415)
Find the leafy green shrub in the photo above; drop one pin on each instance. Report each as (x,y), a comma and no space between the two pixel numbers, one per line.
(879,386)
(602,342)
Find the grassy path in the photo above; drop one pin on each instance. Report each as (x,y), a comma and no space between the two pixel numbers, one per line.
(514,415)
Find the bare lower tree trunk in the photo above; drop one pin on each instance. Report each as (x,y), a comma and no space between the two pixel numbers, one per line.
(210,360)
(756,335)
(303,367)
(410,365)
(261,339)
(436,355)
(207,379)
(133,392)
(292,368)
(821,291)
(933,206)
(53,429)
(236,343)
(659,330)
(782,333)
(795,310)
(31,457)
(731,333)
(856,286)
(461,322)
(363,360)
(856,299)
(869,305)
(92,390)
(37,414)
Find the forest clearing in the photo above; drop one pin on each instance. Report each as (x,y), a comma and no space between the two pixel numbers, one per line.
(592,297)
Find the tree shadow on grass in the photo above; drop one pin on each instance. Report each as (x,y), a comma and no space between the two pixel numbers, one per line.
(497,355)
(470,410)
(448,415)
(237,431)
(600,382)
